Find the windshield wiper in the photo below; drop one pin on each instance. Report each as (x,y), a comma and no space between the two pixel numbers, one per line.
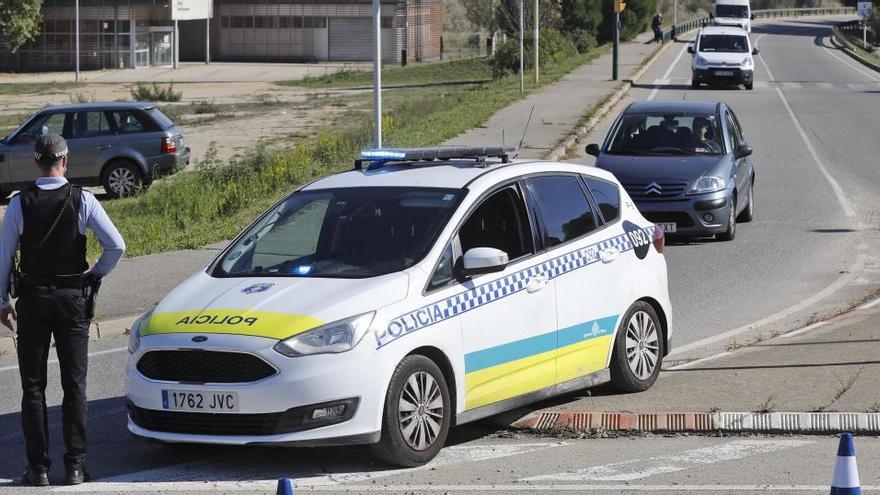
(629,151)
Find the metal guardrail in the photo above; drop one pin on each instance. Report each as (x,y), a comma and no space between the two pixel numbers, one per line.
(671,33)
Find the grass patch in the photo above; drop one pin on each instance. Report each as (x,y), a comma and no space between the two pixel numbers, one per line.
(154,92)
(466,70)
(21,89)
(856,41)
(216,201)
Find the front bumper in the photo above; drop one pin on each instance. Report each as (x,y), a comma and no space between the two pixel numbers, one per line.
(690,213)
(711,76)
(272,410)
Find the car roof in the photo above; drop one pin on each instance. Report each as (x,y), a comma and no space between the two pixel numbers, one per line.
(452,174)
(663,106)
(110,105)
(729,30)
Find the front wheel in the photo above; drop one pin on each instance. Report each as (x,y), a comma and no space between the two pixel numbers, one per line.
(417,414)
(122,178)
(730,233)
(750,86)
(748,214)
(638,350)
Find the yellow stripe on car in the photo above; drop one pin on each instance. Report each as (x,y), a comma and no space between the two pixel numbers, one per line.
(231,321)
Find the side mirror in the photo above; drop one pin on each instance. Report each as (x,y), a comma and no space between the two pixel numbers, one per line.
(752,17)
(592,149)
(691,50)
(755,51)
(742,151)
(480,260)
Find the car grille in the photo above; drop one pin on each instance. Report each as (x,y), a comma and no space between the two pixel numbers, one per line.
(680,218)
(199,366)
(292,420)
(642,191)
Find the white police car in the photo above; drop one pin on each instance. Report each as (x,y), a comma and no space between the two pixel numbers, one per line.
(425,288)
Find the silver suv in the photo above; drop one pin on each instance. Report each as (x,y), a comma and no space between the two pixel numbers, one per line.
(120,146)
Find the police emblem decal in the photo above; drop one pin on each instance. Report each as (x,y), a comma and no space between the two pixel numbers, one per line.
(256,288)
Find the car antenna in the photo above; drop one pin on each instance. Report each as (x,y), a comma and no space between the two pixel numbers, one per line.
(525,129)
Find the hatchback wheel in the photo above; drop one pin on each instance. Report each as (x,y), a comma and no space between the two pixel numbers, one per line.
(730,233)
(417,414)
(748,214)
(122,178)
(638,350)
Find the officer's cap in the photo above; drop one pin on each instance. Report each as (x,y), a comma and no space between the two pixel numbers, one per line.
(49,148)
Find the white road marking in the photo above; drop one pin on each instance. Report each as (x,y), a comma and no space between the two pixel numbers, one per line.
(791,85)
(698,361)
(668,71)
(91,354)
(856,87)
(847,63)
(762,84)
(164,479)
(825,85)
(804,330)
(869,304)
(643,468)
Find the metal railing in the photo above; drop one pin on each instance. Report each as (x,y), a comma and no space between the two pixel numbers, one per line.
(671,33)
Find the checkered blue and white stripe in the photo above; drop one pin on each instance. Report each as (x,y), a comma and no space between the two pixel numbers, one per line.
(505,286)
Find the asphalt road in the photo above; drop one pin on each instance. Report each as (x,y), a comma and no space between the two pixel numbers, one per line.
(803,243)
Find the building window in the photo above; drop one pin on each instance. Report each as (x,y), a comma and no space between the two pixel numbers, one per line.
(224,21)
(315,22)
(387,22)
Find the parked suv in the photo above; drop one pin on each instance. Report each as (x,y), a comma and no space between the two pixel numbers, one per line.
(121,146)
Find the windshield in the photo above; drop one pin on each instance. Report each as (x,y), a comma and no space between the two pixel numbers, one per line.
(342,233)
(723,43)
(737,11)
(667,134)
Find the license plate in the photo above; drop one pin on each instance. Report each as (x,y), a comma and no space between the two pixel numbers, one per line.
(192,400)
(668,228)
(726,73)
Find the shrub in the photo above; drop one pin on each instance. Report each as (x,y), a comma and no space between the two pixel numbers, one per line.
(554,46)
(583,40)
(154,92)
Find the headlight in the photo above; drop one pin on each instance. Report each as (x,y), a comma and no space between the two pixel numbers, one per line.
(134,337)
(708,184)
(746,62)
(700,60)
(340,336)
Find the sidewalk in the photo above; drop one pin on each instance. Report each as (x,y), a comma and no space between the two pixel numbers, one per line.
(825,368)
(559,107)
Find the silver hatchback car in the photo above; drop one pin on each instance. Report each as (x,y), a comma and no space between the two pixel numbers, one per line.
(120,146)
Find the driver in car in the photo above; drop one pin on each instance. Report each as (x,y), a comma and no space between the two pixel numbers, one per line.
(703,140)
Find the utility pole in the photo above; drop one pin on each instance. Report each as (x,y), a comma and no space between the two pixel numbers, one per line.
(76,9)
(522,81)
(674,15)
(377,71)
(537,71)
(176,43)
(618,8)
(208,41)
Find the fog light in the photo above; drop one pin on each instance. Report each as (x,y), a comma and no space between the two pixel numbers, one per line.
(708,217)
(328,412)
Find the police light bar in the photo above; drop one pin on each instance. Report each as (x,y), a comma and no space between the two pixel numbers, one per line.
(378,157)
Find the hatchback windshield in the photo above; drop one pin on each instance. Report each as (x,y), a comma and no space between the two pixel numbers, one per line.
(736,11)
(723,43)
(666,134)
(343,233)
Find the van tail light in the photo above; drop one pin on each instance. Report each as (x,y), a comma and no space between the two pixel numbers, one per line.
(659,239)
(168,146)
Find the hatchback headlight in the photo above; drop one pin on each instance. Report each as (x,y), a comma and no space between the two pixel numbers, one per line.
(134,336)
(708,184)
(336,337)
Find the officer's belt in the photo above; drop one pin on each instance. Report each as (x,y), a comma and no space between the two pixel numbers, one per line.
(56,281)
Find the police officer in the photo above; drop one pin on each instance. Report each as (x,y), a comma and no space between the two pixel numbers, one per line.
(47,221)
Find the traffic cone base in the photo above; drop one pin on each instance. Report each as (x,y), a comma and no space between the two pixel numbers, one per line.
(846,472)
(284,487)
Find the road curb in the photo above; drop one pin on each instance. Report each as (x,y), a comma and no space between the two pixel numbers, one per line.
(97,331)
(609,103)
(696,422)
(843,45)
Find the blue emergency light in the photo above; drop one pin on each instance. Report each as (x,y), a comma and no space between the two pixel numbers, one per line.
(376,158)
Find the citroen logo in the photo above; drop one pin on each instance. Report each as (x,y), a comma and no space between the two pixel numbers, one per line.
(653,189)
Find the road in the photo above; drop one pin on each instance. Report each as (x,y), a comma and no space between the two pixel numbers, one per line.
(806,242)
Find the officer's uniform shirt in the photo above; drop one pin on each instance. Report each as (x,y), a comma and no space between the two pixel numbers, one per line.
(91,216)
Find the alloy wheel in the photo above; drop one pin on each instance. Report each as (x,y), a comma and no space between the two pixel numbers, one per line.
(642,345)
(420,410)
(122,181)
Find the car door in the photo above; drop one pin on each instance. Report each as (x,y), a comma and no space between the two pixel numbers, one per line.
(21,167)
(588,268)
(90,139)
(740,165)
(748,167)
(508,318)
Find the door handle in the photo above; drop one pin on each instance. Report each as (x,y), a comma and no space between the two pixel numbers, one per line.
(104,147)
(609,255)
(536,283)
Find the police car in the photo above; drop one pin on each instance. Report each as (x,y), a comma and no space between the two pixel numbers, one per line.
(423,289)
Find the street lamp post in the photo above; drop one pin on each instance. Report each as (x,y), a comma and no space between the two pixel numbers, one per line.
(377,72)
(522,51)
(76,21)
(537,72)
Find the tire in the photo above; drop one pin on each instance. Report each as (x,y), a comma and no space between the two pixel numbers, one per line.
(750,86)
(748,214)
(632,370)
(695,84)
(415,447)
(730,233)
(122,178)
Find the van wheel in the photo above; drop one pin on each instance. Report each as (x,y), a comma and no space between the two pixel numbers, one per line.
(122,178)
(695,84)
(417,414)
(750,86)
(638,350)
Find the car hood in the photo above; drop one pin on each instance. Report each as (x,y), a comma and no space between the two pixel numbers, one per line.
(270,307)
(630,169)
(724,58)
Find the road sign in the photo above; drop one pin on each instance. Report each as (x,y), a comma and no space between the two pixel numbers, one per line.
(864,9)
(186,10)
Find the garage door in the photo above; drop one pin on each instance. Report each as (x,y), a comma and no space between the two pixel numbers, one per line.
(350,38)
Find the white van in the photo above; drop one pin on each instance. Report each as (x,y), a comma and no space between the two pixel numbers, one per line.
(733,13)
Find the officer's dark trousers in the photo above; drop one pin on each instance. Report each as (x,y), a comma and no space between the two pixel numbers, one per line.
(43,312)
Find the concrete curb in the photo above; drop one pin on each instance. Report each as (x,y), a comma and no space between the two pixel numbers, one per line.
(843,45)
(694,422)
(98,330)
(609,103)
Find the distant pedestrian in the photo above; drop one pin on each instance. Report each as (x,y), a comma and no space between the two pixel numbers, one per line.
(657,26)
(47,223)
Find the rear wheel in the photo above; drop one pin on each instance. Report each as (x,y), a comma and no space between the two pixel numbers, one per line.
(730,233)
(638,350)
(748,214)
(122,178)
(417,414)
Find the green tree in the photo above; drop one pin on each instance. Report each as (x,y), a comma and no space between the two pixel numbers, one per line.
(581,14)
(481,13)
(20,22)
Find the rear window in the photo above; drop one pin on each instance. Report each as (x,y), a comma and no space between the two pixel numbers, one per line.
(563,207)
(606,196)
(737,11)
(160,118)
